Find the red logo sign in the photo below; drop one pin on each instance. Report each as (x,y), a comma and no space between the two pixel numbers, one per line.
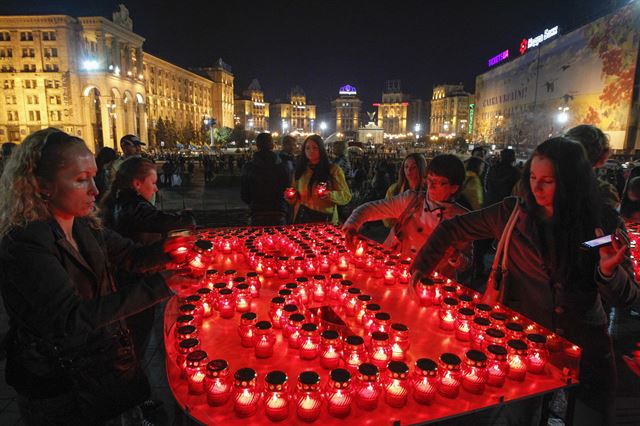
(523,46)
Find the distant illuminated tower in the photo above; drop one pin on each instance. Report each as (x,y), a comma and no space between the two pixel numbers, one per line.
(347,109)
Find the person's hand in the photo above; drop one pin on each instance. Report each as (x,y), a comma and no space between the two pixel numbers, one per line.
(611,255)
(350,236)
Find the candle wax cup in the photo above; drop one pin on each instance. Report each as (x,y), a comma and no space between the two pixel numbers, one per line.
(339,403)
(424,391)
(395,393)
(449,385)
(246,402)
(517,368)
(195,383)
(276,406)
(218,391)
(367,396)
(330,358)
(496,373)
(308,407)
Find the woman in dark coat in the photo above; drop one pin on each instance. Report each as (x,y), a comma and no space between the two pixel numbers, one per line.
(550,279)
(69,352)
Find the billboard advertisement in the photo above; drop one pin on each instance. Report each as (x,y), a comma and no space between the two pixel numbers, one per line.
(585,76)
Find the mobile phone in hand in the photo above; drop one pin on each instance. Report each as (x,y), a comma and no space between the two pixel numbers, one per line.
(597,243)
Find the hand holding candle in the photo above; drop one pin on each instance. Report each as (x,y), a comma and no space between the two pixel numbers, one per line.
(321,190)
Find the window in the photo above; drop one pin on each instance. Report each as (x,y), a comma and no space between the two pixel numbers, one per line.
(30,84)
(50,52)
(34,115)
(10,100)
(12,115)
(49,35)
(6,53)
(55,115)
(52,84)
(5,36)
(7,68)
(55,100)
(51,67)
(32,99)
(29,68)
(26,36)
(28,52)
(9,84)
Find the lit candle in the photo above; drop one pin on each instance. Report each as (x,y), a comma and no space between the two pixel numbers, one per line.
(390,273)
(321,189)
(499,320)
(275,310)
(363,301)
(399,341)
(370,312)
(514,331)
(449,375)
(538,355)
(287,310)
(351,301)
(184,349)
(226,304)
(178,243)
(283,267)
(447,313)
(497,366)
(354,353)
(330,349)
(334,286)
(474,373)
(493,336)
(343,265)
(228,276)
(246,329)
(478,328)
(200,257)
(293,333)
(380,350)
(276,399)
(216,382)
(254,283)
(463,324)
(404,276)
(396,386)
(425,381)
(289,193)
(207,301)
(243,298)
(517,360)
(308,396)
(426,291)
(319,288)
(194,370)
(264,340)
(245,395)
(368,389)
(185,332)
(309,341)
(338,393)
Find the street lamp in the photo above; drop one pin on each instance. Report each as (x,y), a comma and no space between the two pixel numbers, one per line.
(209,122)
(563,115)
(417,129)
(285,126)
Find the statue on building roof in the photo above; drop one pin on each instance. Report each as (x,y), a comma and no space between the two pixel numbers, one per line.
(121,17)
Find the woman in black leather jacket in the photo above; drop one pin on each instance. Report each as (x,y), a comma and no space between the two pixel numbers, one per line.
(69,352)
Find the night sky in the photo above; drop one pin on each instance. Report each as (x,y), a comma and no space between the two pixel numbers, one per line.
(321,45)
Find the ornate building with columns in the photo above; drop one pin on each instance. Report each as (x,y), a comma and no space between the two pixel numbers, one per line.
(90,77)
(251,111)
(295,116)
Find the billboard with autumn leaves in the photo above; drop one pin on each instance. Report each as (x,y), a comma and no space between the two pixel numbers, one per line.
(585,76)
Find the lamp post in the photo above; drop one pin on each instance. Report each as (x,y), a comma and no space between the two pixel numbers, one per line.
(323,127)
(563,116)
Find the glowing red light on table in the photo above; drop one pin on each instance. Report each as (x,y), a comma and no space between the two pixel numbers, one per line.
(195,371)
(264,339)
(368,387)
(380,350)
(206,295)
(293,333)
(497,366)
(330,349)
(538,355)
(354,353)
(275,311)
(474,372)
(319,288)
(404,276)
(478,328)
(243,298)
(370,311)
(426,291)
(390,273)
(276,397)
(217,385)
(399,341)
(245,395)
(246,329)
(449,375)
(339,393)
(351,301)
(517,354)
(226,303)
(447,313)
(308,397)
(463,324)
(309,341)
(425,381)
(396,386)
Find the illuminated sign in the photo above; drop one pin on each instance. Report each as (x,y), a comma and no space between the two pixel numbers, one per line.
(526,44)
(472,109)
(498,58)
(348,90)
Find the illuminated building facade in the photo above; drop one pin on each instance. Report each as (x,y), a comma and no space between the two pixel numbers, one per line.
(450,110)
(251,111)
(295,116)
(398,112)
(347,110)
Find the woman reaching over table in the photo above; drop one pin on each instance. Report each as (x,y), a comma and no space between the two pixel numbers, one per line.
(69,352)
(548,277)
(318,185)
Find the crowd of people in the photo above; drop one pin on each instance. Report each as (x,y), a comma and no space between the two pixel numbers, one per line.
(82,259)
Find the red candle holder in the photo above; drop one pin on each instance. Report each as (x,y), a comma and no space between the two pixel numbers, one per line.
(425,381)
(309,341)
(211,277)
(368,388)
(426,291)
(289,193)
(338,393)
(268,266)
(245,395)
(310,265)
(200,257)
(283,267)
(474,373)
(538,355)
(254,283)
(399,341)
(181,321)
(178,243)
(448,313)
(345,285)
(449,290)
(493,336)
(371,310)
(195,371)
(351,301)
(396,386)
(330,349)
(514,331)
(228,244)
(226,303)
(483,310)
(449,375)
(335,290)
(184,349)
(463,324)
(308,397)
(196,301)
(319,288)
(380,350)
(185,332)
(343,263)
(246,329)
(289,298)
(363,301)
(321,189)
(287,310)
(517,359)
(390,273)
(206,296)
(404,276)
(228,277)
(293,333)
(276,397)
(191,309)
(499,320)
(497,366)
(243,298)
(216,383)
(298,268)
(354,353)
(264,339)
(478,328)
(276,311)
(324,264)
(465,301)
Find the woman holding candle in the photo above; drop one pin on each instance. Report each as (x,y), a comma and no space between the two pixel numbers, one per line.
(550,279)
(319,185)
(411,176)
(69,352)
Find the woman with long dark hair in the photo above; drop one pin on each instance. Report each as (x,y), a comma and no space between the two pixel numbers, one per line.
(104,160)
(411,175)
(319,185)
(550,279)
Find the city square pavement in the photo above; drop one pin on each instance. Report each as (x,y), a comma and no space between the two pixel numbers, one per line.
(216,205)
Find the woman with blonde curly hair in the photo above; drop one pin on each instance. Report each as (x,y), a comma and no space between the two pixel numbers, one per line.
(69,352)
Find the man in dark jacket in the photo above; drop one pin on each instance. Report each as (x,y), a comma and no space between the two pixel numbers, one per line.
(263,182)
(501,178)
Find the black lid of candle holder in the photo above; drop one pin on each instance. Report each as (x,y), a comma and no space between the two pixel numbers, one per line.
(450,359)
(379,335)
(276,377)
(249,316)
(340,375)
(291,286)
(184,318)
(192,299)
(364,297)
(245,375)
(263,325)
(219,286)
(230,272)
(498,316)
(302,279)
(239,280)
(309,327)
(336,276)
(449,288)
(354,340)
(483,307)
(225,291)
(204,290)
(290,307)
(537,338)
(217,365)
(346,283)
(189,343)
(353,290)
(497,349)
(278,300)
(204,245)
(399,327)
(494,332)
(426,281)
(514,326)
(284,292)
(330,334)
(467,312)
(465,298)
(319,277)
(450,301)
(373,307)
(212,271)
(367,369)
(383,316)
(197,356)
(187,307)
(242,287)
(426,364)
(482,321)
(187,329)
(398,367)
(296,317)
(252,274)
(309,378)
(518,345)
(476,356)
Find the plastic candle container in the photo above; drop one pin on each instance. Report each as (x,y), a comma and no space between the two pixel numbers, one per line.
(308,397)
(368,387)
(181,321)
(370,311)
(499,320)
(287,310)
(185,348)
(497,366)
(226,303)
(538,355)
(309,341)
(517,359)
(330,349)
(465,301)
(514,331)
(335,290)
(351,301)
(363,301)
(381,322)
(354,353)
(217,384)
(263,339)
(191,309)
(185,332)
(463,324)
(243,298)
(206,296)
(178,244)
(345,285)
(449,375)
(448,313)
(474,372)
(380,349)
(426,291)
(319,288)
(246,329)
(275,310)
(228,277)
(425,381)
(254,283)
(294,326)
(483,310)
(338,393)
(200,257)
(478,328)
(493,336)
(276,397)
(245,395)
(195,371)
(396,386)
(390,273)
(399,336)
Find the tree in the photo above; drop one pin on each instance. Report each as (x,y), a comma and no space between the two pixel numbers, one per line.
(172,132)
(222,136)
(161,132)
(188,134)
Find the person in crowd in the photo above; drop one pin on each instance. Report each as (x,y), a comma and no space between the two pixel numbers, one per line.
(262,185)
(7,150)
(380,181)
(131,146)
(471,195)
(501,178)
(411,176)
(341,157)
(319,185)
(69,353)
(104,160)
(596,145)
(417,213)
(550,279)
(287,155)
